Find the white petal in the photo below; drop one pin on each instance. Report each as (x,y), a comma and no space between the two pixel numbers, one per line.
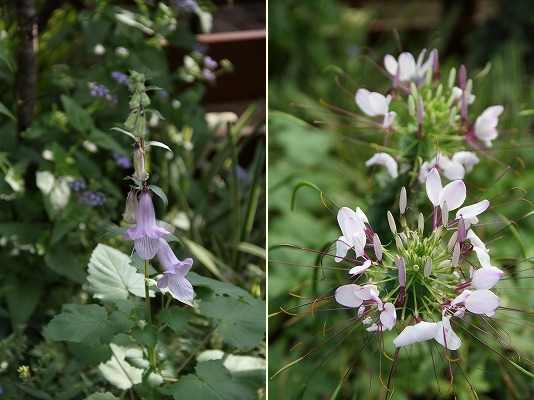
(461,297)
(362,99)
(486,277)
(366,292)
(388,316)
(482,302)
(407,68)
(446,336)
(388,119)
(416,333)
(341,248)
(467,158)
(385,160)
(433,186)
(391,65)
(360,268)
(454,171)
(454,194)
(473,210)
(483,258)
(346,297)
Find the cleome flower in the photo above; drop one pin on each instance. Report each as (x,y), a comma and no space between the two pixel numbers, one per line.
(429,281)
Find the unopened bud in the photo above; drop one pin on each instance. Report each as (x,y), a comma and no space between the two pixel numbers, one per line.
(377,246)
(139,163)
(402,200)
(132,205)
(391,222)
(456,255)
(428,268)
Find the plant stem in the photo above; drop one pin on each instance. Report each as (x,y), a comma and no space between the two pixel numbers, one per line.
(151,349)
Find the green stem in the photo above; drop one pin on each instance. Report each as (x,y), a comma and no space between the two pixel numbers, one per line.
(151,349)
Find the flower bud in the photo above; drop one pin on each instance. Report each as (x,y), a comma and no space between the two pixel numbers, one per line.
(132,205)
(139,164)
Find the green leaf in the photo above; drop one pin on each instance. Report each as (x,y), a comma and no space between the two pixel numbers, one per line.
(218,287)
(176,318)
(146,336)
(112,277)
(6,112)
(64,262)
(89,355)
(19,304)
(102,396)
(158,144)
(241,325)
(114,232)
(85,323)
(160,193)
(212,382)
(118,371)
(125,132)
(105,141)
(79,119)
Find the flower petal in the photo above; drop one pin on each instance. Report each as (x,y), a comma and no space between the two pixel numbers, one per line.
(473,210)
(146,247)
(416,333)
(454,193)
(482,302)
(433,186)
(446,336)
(359,269)
(180,288)
(346,297)
(388,316)
(341,248)
(386,160)
(486,277)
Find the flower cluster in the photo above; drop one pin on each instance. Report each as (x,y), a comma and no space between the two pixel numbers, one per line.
(198,66)
(101,91)
(437,112)
(433,275)
(148,237)
(88,196)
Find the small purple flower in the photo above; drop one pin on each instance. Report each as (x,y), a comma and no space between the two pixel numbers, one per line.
(122,161)
(120,77)
(77,185)
(146,233)
(173,277)
(199,47)
(97,90)
(93,199)
(210,63)
(185,5)
(162,94)
(208,75)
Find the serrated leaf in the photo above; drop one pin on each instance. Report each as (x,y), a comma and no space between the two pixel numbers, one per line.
(158,144)
(112,277)
(81,323)
(218,287)
(212,382)
(89,355)
(118,371)
(160,193)
(78,118)
(176,318)
(241,325)
(146,336)
(102,396)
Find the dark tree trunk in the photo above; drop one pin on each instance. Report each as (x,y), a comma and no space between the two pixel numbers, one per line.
(26,77)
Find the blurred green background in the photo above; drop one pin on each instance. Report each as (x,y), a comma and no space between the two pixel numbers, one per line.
(321,52)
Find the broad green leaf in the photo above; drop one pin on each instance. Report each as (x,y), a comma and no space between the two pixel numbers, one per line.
(218,287)
(112,277)
(212,382)
(118,371)
(85,323)
(125,132)
(114,232)
(79,119)
(20,305)
(102,396)
(6,112)
(90,355)
(64,262)
(175,317)
(241,325)
(146,336)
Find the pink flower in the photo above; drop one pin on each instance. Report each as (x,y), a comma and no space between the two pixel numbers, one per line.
(375,104)
(352,225)
(173,278)
(385,160)
(486,123)
(407,69)
(146,233)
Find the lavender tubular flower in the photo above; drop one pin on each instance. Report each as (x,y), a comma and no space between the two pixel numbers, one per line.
(146,233)
(173,277)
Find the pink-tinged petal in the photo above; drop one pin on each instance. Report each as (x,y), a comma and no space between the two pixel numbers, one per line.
(467,158)
(180,288)
(360,269)
(454,193)
(377,245)
(416,333)
(345,295)
(372,328)
(401,266)
(482,302)
(386,160)
(486,277)
(446,336)
(475,240)
(367,292)
(433,186)
(341,248)
(388,316)
(170,262)
(454,171)
(473,210)
(486,123)
(361,215)
(372,103)
(363,101)
(483,257)
(407,67)
(391,65)
(388,119)
(461,297)
(349,221)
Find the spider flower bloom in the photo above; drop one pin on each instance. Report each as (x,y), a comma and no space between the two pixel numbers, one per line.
(173,278)
(375,104)
(386,160)
(352,225)
(485,127)
(407,69)
(146,233)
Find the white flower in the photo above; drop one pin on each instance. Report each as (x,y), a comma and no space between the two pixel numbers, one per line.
(453,168)
(481,301)
(486,277)
(486,123)
(440,331)
(353,295)
(352,225)
(388,316)
(360,269)
(406,68)
(458,94)
(375,104)
(454,193)
(470,213)
(467,159)
(385,160)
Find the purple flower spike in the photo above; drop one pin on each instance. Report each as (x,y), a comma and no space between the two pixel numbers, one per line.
(146,233)
(173,277)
